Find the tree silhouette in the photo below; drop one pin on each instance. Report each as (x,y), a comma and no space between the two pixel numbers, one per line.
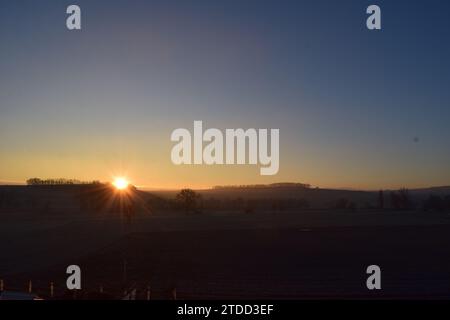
(188,199)
(381,200)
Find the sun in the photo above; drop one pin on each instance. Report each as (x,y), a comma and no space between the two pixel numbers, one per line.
(120,183)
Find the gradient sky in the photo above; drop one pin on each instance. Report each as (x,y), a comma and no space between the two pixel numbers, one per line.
(355,108)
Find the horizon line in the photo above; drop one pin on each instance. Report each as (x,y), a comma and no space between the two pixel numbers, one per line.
(204,188)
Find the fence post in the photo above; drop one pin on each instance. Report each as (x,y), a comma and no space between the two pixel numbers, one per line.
(30,286)
(174,293)
(52,289)
(148,293)
(1,285)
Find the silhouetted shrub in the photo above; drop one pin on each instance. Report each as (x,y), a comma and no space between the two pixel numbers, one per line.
(400,200)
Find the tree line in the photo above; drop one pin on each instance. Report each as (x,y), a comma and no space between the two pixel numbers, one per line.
(59,181)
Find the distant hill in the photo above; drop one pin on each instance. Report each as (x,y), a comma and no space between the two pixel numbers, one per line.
(316,197)
(265,186)
(444,190)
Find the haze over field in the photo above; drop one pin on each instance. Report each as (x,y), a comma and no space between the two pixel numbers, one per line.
(282,241)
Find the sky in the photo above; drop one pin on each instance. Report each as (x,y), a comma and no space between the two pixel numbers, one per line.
(355,108)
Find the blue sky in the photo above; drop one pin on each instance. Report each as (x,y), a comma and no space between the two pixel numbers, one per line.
(349,102)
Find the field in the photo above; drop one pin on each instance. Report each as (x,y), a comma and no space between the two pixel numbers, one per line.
(290,254)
